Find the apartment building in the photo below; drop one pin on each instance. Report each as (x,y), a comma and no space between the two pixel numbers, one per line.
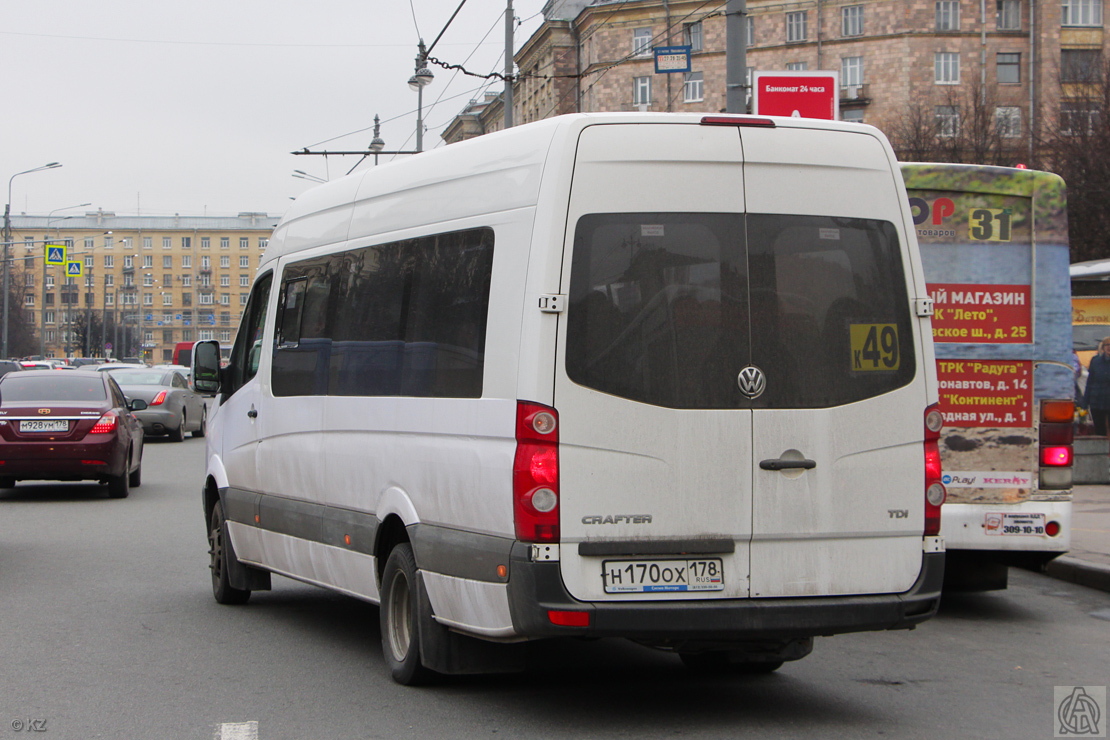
(1013,69)
(147,282)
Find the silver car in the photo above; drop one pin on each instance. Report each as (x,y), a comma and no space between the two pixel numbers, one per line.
(172,406)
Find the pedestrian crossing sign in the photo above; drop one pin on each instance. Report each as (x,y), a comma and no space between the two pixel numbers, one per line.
(55,254)
(74,268)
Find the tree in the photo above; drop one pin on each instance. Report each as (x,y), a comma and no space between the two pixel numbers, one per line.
(23,337)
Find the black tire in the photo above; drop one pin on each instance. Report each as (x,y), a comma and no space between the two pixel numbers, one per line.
(136,478)
(721,662)
(7,482)
(203,429)
(119,485)
(400,622)
(219,553)
(178,435)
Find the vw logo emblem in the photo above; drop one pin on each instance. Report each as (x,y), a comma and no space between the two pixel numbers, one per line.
(752,381)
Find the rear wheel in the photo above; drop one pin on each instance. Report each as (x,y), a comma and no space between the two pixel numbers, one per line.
(119,485)
(400,618)
(136,478)
(178,435)
(219,553)
(203,428)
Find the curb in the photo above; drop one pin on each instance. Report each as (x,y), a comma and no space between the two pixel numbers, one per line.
(1080,572)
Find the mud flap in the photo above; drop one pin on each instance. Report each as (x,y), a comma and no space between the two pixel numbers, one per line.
(447,652)
(240,576)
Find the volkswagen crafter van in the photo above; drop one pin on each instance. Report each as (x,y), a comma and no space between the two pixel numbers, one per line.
(661,377)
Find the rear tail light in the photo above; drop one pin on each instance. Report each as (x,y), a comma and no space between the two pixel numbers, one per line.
(159,399)
(1056,435)
(737,121)
(934,488)
(106,424)
(536,473)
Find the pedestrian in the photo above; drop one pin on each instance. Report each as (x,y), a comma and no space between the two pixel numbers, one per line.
(1096,397)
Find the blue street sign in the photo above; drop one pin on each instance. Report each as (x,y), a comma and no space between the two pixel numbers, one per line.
(55,254)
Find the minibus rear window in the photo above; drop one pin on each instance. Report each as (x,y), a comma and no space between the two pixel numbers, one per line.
(667,309)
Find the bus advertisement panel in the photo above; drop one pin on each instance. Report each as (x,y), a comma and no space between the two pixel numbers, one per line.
(994,246)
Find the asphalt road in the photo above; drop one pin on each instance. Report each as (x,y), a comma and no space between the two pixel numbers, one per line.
(108,630)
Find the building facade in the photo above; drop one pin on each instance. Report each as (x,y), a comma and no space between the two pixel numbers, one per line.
(995,76)
(146,282)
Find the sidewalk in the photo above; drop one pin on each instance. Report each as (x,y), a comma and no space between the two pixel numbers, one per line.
(1088,561)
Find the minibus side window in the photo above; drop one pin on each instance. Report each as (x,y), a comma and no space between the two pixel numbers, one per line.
(246,351)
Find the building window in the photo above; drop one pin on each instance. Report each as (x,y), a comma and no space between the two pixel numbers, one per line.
(89,262)
(186,281)
(225,260)
(1078,118)
(1082,12)
(186,299)
(1009,15)
(205,299)
(263,242)
(946,67)
(1080,65)
(1009,68)
(89,242)
(148,261)
(948,120)
(205,242)
(109,281)
(206,262)
(243,298)
(148,299)
(29,299)
(225,335)
(948,15)
(641,91)
(749,31)
(109,260)
(851,20)
(797,66)
(225,299)
(167,242)
(796,26)
(128,262)
(225,242)
(1007,121)
(186,261)
(148,281)
(186,242)
(167,299)
(691,35)
(693,88)
(851,71)
(244,242)
(244,281)
(225,281)
(167,262)
(641,41)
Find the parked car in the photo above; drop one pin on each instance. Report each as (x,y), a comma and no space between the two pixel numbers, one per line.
(172,406)
(86,361)
(7,366)
(69,426)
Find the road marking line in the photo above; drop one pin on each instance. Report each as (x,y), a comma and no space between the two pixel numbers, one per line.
(237,731)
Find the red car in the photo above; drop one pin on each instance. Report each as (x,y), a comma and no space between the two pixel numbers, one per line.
(69,426)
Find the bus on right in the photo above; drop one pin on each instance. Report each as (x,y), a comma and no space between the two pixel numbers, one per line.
(994,247)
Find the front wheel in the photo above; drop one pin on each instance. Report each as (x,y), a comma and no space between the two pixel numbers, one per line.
(400,618)
(219,554)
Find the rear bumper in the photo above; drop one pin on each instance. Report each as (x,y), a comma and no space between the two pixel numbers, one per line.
(65,461)
(158,422)
(536,588)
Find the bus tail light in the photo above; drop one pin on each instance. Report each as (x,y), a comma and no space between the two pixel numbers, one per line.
(1055,435)
(934,488)
(536,473)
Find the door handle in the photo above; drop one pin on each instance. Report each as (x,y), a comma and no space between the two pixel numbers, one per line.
(780,463)
(252,413)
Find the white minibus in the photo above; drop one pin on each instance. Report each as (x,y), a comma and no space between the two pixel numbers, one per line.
(664,377)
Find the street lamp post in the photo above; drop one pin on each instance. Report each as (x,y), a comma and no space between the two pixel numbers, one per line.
(7,251)
(418,82)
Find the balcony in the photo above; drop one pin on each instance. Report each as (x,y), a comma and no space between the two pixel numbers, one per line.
(854,95)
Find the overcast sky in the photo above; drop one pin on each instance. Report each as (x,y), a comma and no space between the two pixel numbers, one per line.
(193,108)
